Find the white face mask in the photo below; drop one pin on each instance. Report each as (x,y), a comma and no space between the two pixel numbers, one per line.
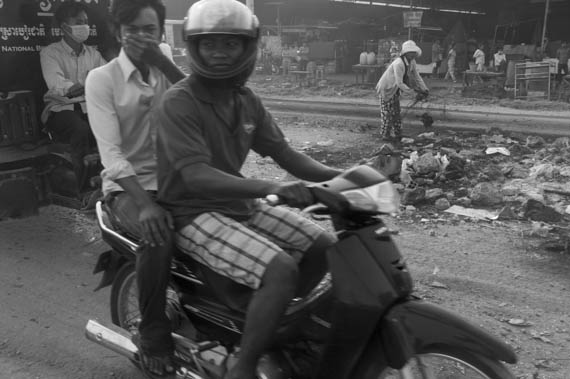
(79,33)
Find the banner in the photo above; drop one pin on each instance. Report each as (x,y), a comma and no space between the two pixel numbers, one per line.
(28,25)
(413,19)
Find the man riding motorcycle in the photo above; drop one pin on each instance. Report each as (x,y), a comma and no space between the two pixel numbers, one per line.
(207,124)
(120,98)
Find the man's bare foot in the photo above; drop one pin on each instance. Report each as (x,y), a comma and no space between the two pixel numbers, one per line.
(158,365)
(154,364)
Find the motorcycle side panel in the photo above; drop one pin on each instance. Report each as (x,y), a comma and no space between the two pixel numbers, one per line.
(362,293)
(357,276)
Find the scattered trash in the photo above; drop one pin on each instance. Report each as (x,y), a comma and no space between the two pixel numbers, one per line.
(540,229)
(438,285)
(537,211)
(539,336)
(480,214)
(507,213)
(430,135)
(498,150)
(442,204)
(519,322)
(329,142)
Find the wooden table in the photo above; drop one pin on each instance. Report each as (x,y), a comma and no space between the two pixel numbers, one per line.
(367,73)
(468,76)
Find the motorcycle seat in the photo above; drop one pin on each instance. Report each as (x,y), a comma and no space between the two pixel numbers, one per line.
(218,288)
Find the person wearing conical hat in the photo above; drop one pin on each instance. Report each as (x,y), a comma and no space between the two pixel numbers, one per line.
(400,76)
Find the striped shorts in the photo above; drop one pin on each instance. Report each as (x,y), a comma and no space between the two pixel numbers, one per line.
(241,250)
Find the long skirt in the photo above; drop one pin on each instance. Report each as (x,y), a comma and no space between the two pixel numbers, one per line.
(390,117)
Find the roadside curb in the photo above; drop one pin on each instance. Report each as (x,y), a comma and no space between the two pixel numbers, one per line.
(554,123)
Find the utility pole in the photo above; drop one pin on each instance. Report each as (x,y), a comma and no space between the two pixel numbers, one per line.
(546,10)
(409,27)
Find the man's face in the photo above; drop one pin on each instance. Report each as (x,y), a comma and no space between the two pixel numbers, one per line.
(145,24)
(79,19)
(220,51)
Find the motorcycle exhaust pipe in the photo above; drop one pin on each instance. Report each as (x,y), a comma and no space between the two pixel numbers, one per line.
(119,341)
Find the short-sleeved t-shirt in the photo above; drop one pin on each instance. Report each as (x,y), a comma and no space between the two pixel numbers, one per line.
(194,128)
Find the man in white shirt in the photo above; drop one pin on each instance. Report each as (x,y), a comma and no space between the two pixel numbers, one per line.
(479,56)
(121,97)
(500,60)
(65,65)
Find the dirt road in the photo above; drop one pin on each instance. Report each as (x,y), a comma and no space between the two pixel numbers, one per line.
(486,272)
(47,297)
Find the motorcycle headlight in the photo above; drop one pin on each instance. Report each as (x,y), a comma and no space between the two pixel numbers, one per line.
(379,198)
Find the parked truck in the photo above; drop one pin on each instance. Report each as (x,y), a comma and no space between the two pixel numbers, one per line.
(34,168)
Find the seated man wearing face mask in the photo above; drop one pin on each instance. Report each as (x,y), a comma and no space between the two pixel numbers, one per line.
(65,65)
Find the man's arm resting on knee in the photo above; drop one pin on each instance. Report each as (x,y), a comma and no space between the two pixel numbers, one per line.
(156,222)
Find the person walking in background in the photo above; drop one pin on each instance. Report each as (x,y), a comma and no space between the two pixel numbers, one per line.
(400,76)
(479,56)
(303,56)
(562,54)
(436,56)
(65,65)
(451,57)
(500,60)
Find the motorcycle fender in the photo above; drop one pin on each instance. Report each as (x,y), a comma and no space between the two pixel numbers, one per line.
(109,263)
(415,326)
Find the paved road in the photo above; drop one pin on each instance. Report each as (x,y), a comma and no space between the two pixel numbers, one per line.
(542,123)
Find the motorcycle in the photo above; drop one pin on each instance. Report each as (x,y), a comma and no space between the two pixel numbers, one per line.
(361,321)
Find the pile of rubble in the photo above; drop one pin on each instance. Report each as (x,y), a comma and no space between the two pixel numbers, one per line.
(485,176)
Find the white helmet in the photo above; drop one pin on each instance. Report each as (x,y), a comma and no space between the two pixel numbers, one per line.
(207,17)
(410,47)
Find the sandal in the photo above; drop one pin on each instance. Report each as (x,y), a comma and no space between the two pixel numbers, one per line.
(163,360)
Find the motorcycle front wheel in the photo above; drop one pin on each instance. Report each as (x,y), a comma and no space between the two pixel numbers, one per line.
(449,363)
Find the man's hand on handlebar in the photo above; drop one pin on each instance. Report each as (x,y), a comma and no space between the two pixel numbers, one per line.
(294,194)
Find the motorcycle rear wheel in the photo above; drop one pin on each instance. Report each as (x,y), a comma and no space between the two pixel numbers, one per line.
(124,299)
(446,363)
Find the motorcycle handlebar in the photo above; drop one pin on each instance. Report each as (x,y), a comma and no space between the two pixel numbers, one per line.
(275,200)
